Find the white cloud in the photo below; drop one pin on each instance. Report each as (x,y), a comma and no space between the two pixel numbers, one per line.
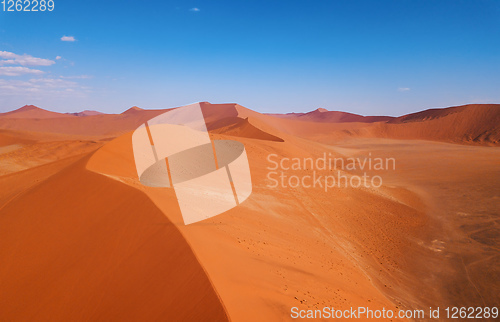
(52,82)
(39,87)
(403,89)
(194,9)
(18,71)
(68,38)
(58,57)
(9,58)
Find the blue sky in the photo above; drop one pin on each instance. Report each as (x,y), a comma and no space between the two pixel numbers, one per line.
(366,57)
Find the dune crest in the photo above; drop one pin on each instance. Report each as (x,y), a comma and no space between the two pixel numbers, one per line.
(325,116)
(133,109)
(32,112)
(244,128)
(475,124)
(237,257)
(468,124)
(103,252)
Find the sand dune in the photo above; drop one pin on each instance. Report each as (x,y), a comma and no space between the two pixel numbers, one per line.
(244,128)
(20,150)
(268,259)
(372,246)
(98,126)
(33,112)
(138,112)
(10,138)
(459,186)
(435,113)
(133,109)
(324,116)
(25,156)
(82,239)
(95,249)
(470,124)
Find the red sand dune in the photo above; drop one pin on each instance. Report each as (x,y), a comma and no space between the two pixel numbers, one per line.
(324,116)
(435,113)
(133,109)
(98,126)
(32,112)
(470,124)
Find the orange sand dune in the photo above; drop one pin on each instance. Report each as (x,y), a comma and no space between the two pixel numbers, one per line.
(293,253)
(81,246)
(34,119)
(15,183)
(97,126)
(469,124)
(20,157)
(460,186)
(82,239)
(142,113)
(10,138)
(245,129)
(20,150)
(283,246)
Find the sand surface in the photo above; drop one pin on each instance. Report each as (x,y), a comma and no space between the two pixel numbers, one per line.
(82,239)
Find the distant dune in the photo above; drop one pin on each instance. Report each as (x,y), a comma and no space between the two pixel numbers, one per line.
(86,113)
(32,112)
(133,109)
(477,124)
(468,124)
(435,113)
(324,116)
(100,125)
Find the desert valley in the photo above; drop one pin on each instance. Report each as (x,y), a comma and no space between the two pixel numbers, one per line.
(82,239)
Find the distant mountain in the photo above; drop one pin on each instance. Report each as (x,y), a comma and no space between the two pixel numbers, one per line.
(132,110)
(32,112)
(324,116)
(86,113)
